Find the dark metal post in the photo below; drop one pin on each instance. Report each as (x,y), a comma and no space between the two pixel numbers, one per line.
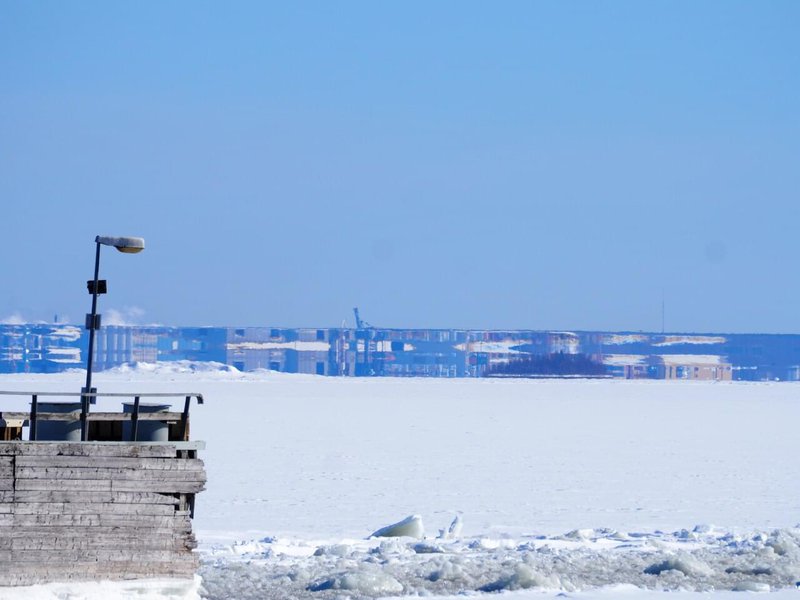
(92,324)
(135,419)
(34,411)
(185,418)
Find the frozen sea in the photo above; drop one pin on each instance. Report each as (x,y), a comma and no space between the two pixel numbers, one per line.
(527,489)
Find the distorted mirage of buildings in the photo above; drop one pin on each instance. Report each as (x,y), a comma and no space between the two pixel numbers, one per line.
(370,351)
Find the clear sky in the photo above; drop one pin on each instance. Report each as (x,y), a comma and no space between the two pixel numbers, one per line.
(547,165)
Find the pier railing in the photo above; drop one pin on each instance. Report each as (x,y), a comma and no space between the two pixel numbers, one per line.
(35,415)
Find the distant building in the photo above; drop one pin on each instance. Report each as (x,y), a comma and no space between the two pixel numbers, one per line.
(38,348)
(370,351)
(692,366)
(313,351)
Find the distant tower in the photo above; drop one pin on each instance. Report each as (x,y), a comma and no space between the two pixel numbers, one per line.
(55,318)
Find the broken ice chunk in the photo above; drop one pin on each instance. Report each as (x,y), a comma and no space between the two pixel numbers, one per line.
(409,527)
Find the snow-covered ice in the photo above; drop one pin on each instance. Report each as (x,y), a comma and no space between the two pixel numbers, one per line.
(678,561)
(592,489)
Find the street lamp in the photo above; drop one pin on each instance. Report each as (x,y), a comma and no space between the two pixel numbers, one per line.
(129,245)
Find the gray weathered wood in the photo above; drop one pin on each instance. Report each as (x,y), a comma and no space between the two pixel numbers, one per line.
(86,485)
(90,485)
(64,473)
(148,463)
(77,532)
(23,496)
(27,574)
(78,511)
(92,508)
(87,449)
(93,496)
(164,487)
(139,497)
(137,544)
(93,416)
(84,554)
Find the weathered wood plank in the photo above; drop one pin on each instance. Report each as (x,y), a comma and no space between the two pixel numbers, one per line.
(93,416)
(99,535)
(65,473)
(6,485)
(87,449)
(92,508)
(56,520)
(133,544)
(139,463)
(27,574)
(6,461)
(23,496)
(7,496)
(101,520)
(45,557)
(91,565)
(145,522)
(90,572)
(163,487)
(86,485)
(79,532)
(140,497)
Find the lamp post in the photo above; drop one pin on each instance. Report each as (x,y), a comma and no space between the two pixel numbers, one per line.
(128,245)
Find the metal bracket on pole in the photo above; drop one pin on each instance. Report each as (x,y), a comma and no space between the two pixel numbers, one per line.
(93,321)
(100,288)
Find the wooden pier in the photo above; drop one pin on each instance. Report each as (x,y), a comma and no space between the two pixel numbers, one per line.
(81,511)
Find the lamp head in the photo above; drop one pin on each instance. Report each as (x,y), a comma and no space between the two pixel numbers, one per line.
(129,245)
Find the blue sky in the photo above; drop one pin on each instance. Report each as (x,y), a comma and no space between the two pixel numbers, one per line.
(438,164)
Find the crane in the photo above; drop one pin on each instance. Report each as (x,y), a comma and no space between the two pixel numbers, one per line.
(364,332)
(359,323)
